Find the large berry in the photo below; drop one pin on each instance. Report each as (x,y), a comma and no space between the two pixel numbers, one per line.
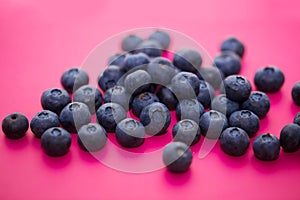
(119,95)
(55,100)
(187,60)
(228,63)
(189,109)
(110,77)
(133,61)
(15,125)
(186,131)
(161,37)
(237,88)
(130,42)
(266,147)
(73,79)
(290,137)
(258,103)
(234,45)
(296,93)
(161,70)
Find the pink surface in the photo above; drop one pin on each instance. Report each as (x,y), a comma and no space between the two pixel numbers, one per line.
(41,39)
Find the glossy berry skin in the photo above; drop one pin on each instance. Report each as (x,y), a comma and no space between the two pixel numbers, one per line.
(130,42)
(296,93)
(150,47)
(90,96)
(269,79)
(142,100)
(117,60)
(234,45)
(212,123)
(297,119)
(224,105)
(177,157)
(137,81)
(133,61)
(206,94)
(162,37)
(228,63)
(56,141)
(290,138)
(109,114)
(156,118)
(186,131)
(246,120)
(73,79)
(74,116)
(110,77)
(119,95)
(237,88)
(211,75)
(15,125)
(185,85)
(161,70)
(167,97)
(55,99)
(130,133)
(258,103)
(91,137)
(266,147)
(234,141)
(189,109)
(42,121)
(187,60)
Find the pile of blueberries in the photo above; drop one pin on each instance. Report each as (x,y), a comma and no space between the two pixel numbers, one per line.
(213,101)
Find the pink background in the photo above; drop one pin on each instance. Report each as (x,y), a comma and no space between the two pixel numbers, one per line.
(41,39)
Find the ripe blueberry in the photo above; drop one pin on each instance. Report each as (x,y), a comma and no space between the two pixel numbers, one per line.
(55,100)
(15,125)
(228,63)
(266,147)
(186,131)
(290,137)
(187,60)
(73,79)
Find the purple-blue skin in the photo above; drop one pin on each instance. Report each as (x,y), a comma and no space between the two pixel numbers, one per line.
(110,77)
(189,109)
(269,79)
(228,63)
(234,45)
(142,100)
(162,37)
(258,103)
(290,138)
(186,131)
(137,82)
(224,105)
(212,75)
(297,119)
(150,47)
(117,60)
(296,93)
(15,125)
(206,94)
(266,147)
(133,61)
(73,79)
(130,42)
(55,99)
(119,95)
(167,97)
(187,60)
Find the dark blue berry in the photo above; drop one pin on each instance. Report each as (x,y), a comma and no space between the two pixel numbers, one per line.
(137,81)
(109,115)
(55,100)
(266,147)
(212,75)
(224,105)
(117,59)
(150,47)
(189,109)
(187,60)
(258,103)
(110,77)
(73,79)
(296,93)
(119,95)
(167,97)
(237,88)
(130,133)
(42,121)
(133,61)
(246,120)
(130,42)
(186,131)
(161,70)
(234,45)
(142,100)
(206,94)
(297,119)
(269,79)
(161,37)
(177,157)
(74,116)
(290,137)
(228,63)
(15,125)
(56,141)
(92,137)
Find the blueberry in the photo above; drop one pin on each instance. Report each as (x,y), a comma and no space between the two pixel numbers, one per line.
(290,137)
(234,141)
(142,100)
(161,70)
(42,121)
(234,45)
(109,114)
(187,60)
(117,60)
(266,147)
(56,141)
(90,96)
(297,119)
(224,105)
(212,123)
(162,37)
(15,125)
(269,79)
(132,61)
(73,79)
(55,100)
(156,118)
(237,88)
(212,75)
(119,95)
(186,131)
(91,137)
(206,93)
(185,85)
(246,120)
(258,103)
(228,63)
(296,93)
(189,109)
(110,77)
(177,157)
(74,116)
(167,97)
(150,47)
(137,81)
(130,42)
(130,133)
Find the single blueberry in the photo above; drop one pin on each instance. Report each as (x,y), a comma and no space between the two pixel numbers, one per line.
(234,45)
(228,63)
(15,125)
(130,42)
(167,97)
(187,60)
(189,109)
(55,99)
(161,37)
(266,147)
(133,61)
(137,82)
(186,131)
(258,103)
(110,77)
(117,60)
(119,95)
(212,75)
(290,137)
(73,79)
(296,93)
